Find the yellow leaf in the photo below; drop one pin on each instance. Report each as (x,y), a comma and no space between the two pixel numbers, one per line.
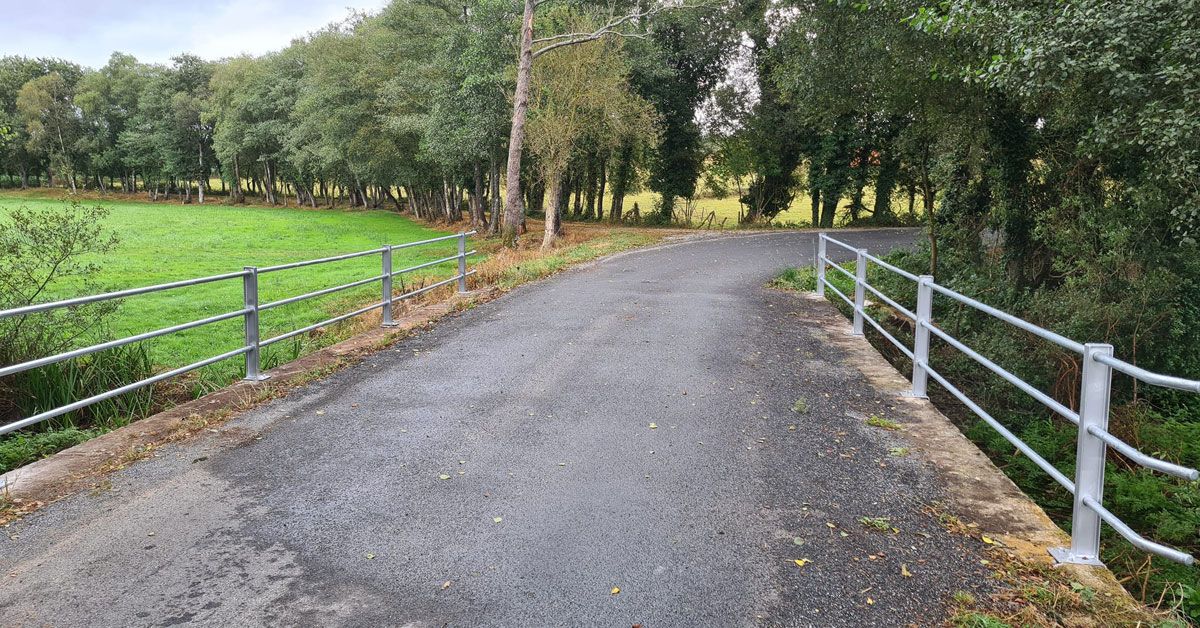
(615,590)
(446,585)
(800,562)
(653,426)
(987,540)
(904,571)
(370,557)
(870,601)
(497,519)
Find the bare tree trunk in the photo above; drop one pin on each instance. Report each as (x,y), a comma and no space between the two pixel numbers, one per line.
(494,182)
(237,182)
(553,212)
(603,184)
(514,207)
(478,219)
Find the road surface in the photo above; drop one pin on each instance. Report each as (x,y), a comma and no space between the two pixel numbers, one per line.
(628,425)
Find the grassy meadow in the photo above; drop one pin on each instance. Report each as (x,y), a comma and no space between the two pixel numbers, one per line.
(161,242)
(726,209)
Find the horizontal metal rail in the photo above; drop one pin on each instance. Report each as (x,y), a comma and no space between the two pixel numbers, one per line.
(120,294)
(1004,431)
(1141,374)
(435,262)
(323,260)
(249,313)
(896,343)
(408,295)
(83,403)
(1134,538)
(852,249)
(112,344)
(1091,418)
(896,306)
(1040,332)
(1150,462)
(838,268)
(408,245)
(894,269)
(319,293)
(308,328)
(1046,400)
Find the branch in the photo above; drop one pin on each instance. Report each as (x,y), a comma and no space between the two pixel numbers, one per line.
(611,28)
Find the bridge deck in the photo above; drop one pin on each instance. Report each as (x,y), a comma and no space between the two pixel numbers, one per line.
(629,425)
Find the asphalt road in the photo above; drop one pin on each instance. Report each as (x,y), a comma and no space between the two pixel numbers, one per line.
(623,425)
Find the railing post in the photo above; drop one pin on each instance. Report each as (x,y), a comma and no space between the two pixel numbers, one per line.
(250,303)
(860,293)
(387,286)
(462,262)
(920,378)
(820,261)
(1089,459)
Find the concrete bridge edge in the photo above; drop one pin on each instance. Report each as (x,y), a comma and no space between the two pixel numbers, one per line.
(979,492)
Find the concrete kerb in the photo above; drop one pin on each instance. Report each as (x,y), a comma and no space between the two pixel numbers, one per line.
(978,491)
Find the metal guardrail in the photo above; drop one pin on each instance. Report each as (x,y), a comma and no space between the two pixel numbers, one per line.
(249,313)
(1092,418)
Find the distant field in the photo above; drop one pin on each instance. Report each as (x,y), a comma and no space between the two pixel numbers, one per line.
(727,208)
(167,242)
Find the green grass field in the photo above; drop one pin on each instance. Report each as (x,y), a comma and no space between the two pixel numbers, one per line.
(799,213)
(168,242)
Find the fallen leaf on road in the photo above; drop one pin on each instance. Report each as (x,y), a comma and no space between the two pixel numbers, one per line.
(653,426)
(904,571)
(800,562)
(987,540)
(870,601)
(497,519)
(798,541)
(443,477)
(370,557)
(615,591)
(446,585)
(320,412)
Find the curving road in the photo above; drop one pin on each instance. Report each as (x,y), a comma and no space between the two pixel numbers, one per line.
(623,425)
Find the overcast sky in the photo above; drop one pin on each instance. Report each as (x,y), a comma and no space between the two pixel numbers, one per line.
(88,31)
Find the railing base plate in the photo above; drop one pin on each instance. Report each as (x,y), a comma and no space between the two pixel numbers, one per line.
(260,378)
(1063,556)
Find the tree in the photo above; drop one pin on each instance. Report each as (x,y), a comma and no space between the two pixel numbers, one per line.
(46,107)
(580,89)
(633,23)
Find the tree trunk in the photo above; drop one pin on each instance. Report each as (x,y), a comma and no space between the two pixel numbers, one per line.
(829,209)
(554,212)
(814,192)
(591,182)
(478,219)
(494,182)
(885,184)
(236,190)
(514,207)
(600,194)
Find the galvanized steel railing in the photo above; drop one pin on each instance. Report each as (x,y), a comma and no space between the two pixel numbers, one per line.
(249,313)
(1092,417)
